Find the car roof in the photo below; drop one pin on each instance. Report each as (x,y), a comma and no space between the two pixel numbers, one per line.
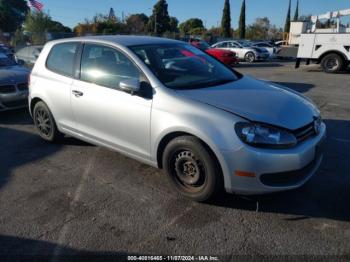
(125,40)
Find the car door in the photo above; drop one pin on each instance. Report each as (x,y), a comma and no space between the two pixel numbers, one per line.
(103,112)
(236,48)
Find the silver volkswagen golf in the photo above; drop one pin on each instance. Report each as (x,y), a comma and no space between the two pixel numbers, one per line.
(170,105)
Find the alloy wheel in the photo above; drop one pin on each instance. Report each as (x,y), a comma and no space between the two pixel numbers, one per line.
(43,122)
(250,57)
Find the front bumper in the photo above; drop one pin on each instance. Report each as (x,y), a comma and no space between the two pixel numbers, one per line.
(12,101)
(275,170)
(263,56)
(230,61)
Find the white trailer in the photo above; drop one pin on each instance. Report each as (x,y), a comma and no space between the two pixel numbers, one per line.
(328,47)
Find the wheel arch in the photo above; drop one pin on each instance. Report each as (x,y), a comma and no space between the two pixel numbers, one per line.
(33,102)
(337,52)
(172,135)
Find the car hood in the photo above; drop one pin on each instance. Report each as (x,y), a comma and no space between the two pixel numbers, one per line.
(13,74)
(258,101)
(259,49)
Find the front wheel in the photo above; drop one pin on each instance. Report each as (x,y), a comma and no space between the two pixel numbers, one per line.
(45,123)
(192,169)
(332,63)
(249,57)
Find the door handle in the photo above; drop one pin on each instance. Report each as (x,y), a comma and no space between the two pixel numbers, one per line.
(77,93)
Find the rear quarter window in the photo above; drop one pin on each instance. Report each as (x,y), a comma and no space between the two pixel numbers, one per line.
(61,58)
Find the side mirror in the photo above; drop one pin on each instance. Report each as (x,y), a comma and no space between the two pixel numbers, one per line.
(131,85)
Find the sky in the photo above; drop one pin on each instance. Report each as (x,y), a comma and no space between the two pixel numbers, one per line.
(71,12)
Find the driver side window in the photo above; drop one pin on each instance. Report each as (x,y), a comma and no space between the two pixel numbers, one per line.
(222,45)
(106,66)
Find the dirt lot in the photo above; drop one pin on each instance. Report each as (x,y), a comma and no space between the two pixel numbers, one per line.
(75,198)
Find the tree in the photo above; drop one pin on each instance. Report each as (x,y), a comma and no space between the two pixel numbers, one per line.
(19,38)
(100,24)
(85,28)
(174,22)
(12,14)
(159,21)
(214,32)
(287,25)
(305,18)
(112,15)
(242,26)
(37,24)
(57,27)
(296,15)
(275,33)
(226,20)
(260,29)
(137,23)
(191,25)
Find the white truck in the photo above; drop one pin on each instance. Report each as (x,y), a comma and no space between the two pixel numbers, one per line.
(329,47)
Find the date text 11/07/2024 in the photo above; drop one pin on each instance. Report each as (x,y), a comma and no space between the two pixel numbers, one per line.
(173,258)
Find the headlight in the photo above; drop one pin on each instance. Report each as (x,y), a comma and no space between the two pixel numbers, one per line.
(260,135)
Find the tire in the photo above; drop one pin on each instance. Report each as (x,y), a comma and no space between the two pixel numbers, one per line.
(332,63)
(250,57)
(192,169)
(45,123)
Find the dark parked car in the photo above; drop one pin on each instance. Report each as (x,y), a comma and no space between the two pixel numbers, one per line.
(13,84)
(6,50)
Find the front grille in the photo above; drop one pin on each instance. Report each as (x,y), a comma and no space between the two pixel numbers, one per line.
(16,103)
(7,89)
(22,87)
(305,132)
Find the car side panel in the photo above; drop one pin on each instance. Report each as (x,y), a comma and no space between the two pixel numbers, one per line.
(54,89)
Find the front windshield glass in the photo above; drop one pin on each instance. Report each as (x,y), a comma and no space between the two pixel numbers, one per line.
(182,66)
(204,46)
(5,61)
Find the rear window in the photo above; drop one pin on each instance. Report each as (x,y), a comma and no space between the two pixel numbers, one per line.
(61,58)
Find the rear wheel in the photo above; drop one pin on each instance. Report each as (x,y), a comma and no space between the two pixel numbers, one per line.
(45,123)
(332,63)
(192,169)
(249,57)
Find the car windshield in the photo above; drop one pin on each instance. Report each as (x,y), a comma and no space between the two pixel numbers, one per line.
(203,46)
(182,66)
(5,61)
